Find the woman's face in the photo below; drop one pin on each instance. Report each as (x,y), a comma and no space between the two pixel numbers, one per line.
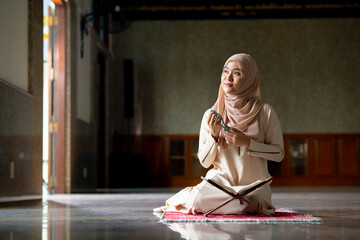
(231,77)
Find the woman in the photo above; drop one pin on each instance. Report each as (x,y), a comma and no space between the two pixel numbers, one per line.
(238,156)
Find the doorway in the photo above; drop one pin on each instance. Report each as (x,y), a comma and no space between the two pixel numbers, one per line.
(54,97)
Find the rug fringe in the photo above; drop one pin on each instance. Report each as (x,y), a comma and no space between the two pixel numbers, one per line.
(314,220)
(309,219)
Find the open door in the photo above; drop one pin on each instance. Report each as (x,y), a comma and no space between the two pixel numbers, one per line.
(56,69)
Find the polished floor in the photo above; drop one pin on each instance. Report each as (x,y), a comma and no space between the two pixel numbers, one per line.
(128,215)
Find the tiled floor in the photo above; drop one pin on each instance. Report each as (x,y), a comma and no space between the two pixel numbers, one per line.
(129,216)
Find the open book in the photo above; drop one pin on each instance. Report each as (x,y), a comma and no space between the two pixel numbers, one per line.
(240,191)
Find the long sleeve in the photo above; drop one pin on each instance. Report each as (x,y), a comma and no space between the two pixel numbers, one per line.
(207,145)
(273,146)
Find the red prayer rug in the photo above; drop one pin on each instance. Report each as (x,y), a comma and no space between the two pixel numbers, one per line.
(280,216)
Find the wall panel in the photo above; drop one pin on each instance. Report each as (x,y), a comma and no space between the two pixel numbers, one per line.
(348,157)
(16,142)
(324,157)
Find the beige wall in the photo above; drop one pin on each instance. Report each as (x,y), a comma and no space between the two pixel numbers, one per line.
(13,43)
(309,70)
(20,111)
(83,65)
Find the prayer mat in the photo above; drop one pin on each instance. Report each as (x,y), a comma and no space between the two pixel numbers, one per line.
(280,216)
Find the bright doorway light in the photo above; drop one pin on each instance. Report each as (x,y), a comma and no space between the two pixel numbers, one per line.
(45,147)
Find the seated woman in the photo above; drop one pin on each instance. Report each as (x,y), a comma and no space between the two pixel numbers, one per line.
(239,150)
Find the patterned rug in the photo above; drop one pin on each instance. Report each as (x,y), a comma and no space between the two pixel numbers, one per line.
(280,216)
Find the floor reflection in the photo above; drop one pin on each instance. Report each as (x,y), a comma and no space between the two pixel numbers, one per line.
(202,231)
(129,216)
(55,221)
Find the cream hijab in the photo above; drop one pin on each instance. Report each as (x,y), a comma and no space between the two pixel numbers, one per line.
(240,110)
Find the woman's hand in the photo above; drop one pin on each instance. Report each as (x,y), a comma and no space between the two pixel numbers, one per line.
(214,124)
(236,138)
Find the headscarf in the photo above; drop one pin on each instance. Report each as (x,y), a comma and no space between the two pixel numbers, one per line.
(240,110)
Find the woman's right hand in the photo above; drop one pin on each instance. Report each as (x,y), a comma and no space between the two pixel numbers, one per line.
(214,123)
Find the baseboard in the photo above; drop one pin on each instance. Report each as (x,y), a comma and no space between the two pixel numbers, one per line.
(20,198)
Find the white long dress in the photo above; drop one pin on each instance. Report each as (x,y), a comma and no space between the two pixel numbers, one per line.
(235,168)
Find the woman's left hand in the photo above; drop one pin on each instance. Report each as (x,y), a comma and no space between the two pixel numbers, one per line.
(236,138)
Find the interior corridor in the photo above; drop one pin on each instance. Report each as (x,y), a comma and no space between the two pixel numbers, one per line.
(128,214)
